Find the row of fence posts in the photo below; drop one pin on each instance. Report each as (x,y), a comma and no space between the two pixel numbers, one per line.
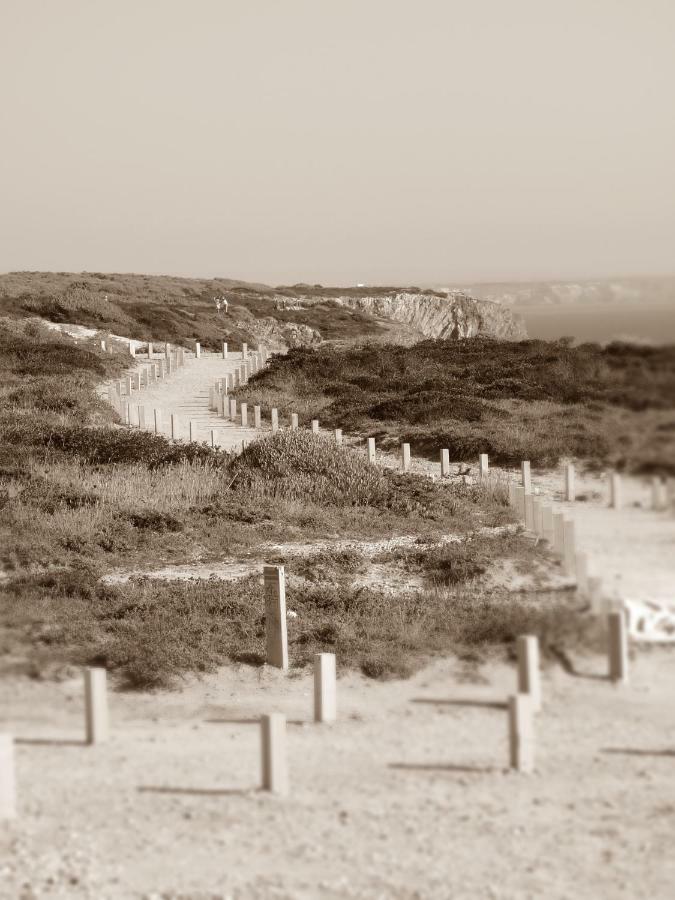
(558,530)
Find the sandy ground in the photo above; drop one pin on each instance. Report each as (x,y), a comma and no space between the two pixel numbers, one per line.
(408,795)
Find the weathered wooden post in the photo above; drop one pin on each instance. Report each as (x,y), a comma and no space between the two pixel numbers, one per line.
(325,690)
(338,436)
(529,511)
(275,616)
(233,408)
(96,705)
(405,457)
(615,493)
(193,431)
(213,439)
(617,647)
(7,778)
(526,476)
(529,678)
(547,522)
(198,350)
(274,417)
(257,417)
(315,426)
(243,410)
(224,349)
(294,421)
(445,463)
(158,420)
(274,765)
(174,426)
(537,516)
(569,547)
(570,490)
(519,493)
(521,733)
(581,571)
(483,465)
(150,350)
(371,450)
(244,351)
(558,533)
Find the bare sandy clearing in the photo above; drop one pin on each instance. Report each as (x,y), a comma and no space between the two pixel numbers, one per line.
(405,797)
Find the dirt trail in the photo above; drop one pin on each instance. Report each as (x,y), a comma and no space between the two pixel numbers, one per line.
(406,796)
(186,393)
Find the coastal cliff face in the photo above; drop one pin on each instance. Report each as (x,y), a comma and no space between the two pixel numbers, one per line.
(450,317)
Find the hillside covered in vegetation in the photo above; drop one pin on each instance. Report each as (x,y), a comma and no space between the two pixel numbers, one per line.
(532,400)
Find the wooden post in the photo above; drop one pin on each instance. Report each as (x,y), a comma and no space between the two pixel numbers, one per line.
(371,450)
(274,416)
(213,439)
(547,522)
(338,436)
(581,571)
(275,616)
(127,382)
(483,465)
(257,418)
(529,511)
(220,405)
(96,705)
(520,502)
(529,678)
(294,421)
(7,778)
(315,426)
(569,547)
(526,476)
(405,457)
(126,413)
(274,765)
(174,426)
(659,494)
(617,647)
(325,705)
(233,408)
(615,497)
(570,490)
(445,463)
(150,350)
(167,349)
(537,517)
(595,594)
(193,431)
(140,412)
(224,349)
(198,349)
(243,411)
(244,351)
(521,733)
(558,533)
(158,420)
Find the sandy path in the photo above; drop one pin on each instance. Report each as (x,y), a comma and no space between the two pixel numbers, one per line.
(399,799)
(186,393)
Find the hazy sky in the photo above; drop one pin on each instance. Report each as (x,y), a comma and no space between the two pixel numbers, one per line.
(338,140)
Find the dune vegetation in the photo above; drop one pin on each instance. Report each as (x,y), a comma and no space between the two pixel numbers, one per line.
(81,498)
(534,400)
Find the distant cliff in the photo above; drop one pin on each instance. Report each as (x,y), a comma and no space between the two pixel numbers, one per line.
(451,317)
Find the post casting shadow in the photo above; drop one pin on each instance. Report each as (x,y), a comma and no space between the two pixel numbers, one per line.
(441,767)
(631,751)
(197,792)
(50,742)
(485,704)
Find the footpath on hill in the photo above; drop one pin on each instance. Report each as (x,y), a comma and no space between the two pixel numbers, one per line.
(631,549)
